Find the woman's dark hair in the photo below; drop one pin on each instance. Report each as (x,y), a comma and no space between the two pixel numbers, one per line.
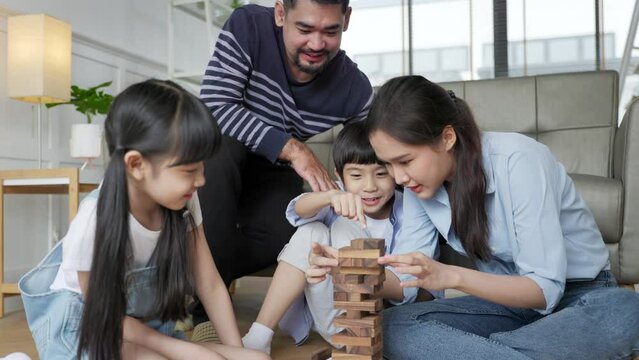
(155,118)
(353,147)
(415,111)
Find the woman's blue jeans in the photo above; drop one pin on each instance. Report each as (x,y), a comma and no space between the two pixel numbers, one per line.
(54,316)
(594,320)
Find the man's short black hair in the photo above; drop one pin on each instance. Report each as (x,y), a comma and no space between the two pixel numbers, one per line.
(289,4)
(353,147)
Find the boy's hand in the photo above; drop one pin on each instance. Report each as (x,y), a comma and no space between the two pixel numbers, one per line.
(348,205)
(322,259)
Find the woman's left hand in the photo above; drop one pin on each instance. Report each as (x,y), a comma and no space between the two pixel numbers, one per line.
(430,274)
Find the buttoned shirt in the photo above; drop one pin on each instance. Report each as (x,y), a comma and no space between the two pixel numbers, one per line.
(539,225)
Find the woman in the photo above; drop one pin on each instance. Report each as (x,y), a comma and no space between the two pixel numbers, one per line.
(543,288)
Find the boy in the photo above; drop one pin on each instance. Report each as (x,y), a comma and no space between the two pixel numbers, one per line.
(369,207)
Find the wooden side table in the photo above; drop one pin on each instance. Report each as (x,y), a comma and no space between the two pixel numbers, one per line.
(38,181)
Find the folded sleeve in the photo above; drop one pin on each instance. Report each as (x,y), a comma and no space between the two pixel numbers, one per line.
(78,243)
(539,251)
(326,215)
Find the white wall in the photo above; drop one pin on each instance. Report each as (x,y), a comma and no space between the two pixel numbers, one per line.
(117,40)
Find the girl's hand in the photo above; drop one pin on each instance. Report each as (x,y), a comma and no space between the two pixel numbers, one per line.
(348,205)
(430,274)
(322,259)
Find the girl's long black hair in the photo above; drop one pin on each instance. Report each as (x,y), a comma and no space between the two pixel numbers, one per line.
(415,111)
(155,118)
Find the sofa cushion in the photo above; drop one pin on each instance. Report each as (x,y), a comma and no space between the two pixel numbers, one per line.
(503,104)
(577,120)
(581,150)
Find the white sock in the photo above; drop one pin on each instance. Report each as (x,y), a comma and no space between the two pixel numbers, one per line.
(16,356)
(258,338)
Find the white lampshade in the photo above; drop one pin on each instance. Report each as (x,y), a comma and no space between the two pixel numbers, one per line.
(39,59)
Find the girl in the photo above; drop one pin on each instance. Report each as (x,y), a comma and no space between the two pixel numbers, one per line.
(543,288)
(136,250)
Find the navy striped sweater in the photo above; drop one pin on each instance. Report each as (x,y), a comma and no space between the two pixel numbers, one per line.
(254,98)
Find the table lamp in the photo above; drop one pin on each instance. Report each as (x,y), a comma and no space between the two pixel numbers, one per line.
(38,62)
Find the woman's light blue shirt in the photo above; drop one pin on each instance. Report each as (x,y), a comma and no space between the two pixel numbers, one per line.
(539,226)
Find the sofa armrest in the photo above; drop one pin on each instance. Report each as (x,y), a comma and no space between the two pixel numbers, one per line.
(604,197)
(626,169)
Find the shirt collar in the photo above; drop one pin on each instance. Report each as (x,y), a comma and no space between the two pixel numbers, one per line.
(396,210)
(442,195)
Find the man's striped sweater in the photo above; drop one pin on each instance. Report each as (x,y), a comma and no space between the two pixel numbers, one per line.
(254,98)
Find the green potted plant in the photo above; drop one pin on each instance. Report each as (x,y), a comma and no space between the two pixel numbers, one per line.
(86,139)
(236,3)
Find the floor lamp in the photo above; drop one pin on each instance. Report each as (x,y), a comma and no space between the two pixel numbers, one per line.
(38,62)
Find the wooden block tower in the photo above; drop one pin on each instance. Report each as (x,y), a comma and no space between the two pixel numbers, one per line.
(357,278)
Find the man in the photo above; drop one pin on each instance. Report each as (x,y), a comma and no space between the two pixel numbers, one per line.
(277,77)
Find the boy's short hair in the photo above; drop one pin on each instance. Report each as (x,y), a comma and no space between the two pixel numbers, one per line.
(353,147)
(289,4)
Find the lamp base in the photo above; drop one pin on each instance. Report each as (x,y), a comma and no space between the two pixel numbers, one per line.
(39,135)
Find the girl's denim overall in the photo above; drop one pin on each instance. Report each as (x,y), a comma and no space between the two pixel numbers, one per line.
(54,316)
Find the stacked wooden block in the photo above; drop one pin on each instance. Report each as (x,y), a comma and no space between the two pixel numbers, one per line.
(356,279)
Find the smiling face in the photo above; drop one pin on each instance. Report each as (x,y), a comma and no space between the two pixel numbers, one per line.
(312,35)
(173,186)
(420,168)
(156,183)
(373,184)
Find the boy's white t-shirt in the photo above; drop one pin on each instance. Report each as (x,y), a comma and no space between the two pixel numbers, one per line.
(78,243)
(377,228)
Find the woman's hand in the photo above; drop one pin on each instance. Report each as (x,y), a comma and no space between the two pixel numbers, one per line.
(322,260)
(430,274)
(348,205)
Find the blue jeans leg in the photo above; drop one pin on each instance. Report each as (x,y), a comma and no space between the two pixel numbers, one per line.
(601,324)
(594,320)
(451,329)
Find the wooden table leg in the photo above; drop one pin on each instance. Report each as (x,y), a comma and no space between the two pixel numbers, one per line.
(1,247)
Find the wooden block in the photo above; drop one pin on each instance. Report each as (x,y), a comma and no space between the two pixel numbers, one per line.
(364,332)
(367,244)
(357,288)
(321,354)
(359,254)
(340,296)
(348,279)
(355,314)
(364,350)
(357,297)
(361,270)
(372,305)
(364,263)
(369,321)
(342,355)
(343,338)
(374,279)
(348,262)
